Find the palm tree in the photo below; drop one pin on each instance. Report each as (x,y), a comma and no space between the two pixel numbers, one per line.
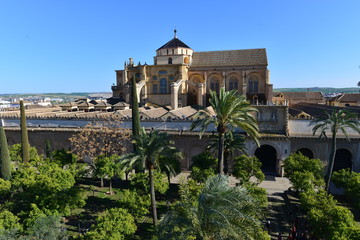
(221,212)
(232,142)
(333,122)
(231,111)
(151,148)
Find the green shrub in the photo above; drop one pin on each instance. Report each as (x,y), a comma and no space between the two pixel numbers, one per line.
(113,224)
(204,166)
(350,181)
(140,182)
(136,204)
(246,167)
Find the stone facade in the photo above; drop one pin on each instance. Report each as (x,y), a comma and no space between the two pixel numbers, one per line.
(181,77)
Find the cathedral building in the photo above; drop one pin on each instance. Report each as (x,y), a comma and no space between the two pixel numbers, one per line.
(182,77)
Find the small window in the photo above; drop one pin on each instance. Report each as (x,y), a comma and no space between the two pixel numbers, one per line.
(171,78)
(162,72)
(154,77)
(233,83)
(163,85)
(167,51)
(214,84)
(253,85)
(173,51)
(155,88)
(170,61)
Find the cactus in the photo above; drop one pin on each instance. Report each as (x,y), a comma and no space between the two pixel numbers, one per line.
(24,134)
(5,172)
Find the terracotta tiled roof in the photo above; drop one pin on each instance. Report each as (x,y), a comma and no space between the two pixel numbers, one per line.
(180,113)
(153,113)
(230,58)
(85,104)
(103,104)
(350,97)
(121,104)
(318,110)
(303,95)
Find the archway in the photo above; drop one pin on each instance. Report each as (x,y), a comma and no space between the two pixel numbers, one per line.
(342,159)
(268,157)
(306,152)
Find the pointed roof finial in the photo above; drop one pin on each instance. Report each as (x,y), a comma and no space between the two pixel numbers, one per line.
(175,33)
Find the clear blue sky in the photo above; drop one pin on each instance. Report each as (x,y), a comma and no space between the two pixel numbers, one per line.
(75,45)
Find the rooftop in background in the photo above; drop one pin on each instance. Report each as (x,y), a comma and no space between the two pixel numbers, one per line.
(230,58)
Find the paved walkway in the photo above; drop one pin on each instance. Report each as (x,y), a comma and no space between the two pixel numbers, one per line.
(279,206)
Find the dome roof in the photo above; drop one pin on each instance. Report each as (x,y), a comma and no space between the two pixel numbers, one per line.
(174,43)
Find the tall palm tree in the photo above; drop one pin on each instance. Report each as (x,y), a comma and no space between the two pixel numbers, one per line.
(151,148)
(333,122)
(221,212)
(232,142)
(231,111)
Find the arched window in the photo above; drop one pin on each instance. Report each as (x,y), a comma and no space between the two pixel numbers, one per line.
(233,83)
(253,85)
(214,84)
(163,85)
(170,61)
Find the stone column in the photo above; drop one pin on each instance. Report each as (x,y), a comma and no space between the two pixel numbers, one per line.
(244,86)
(127,93)
(174,95)
(224,81)
(200,94)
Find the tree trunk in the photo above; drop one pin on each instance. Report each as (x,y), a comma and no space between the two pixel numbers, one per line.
(331,161)
(152,193)
(101,182)
(110,187)
(221,153)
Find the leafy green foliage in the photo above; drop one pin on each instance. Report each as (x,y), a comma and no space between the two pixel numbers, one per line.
(48,186)
(170,165)
(334,121)
(140,182)
(232,142)
(328,220)
(135,117)
(246,167)
(48,149)
(189,191)
(63,157)
(47,228)
(136,204)
(350,181)
(16,153)
(24,134)
(150,149)
(203,167)
(5,164)
(5,187)
(303,172)
(259,194)
(222,212)
(8,221)
(113,224)
(230,111)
